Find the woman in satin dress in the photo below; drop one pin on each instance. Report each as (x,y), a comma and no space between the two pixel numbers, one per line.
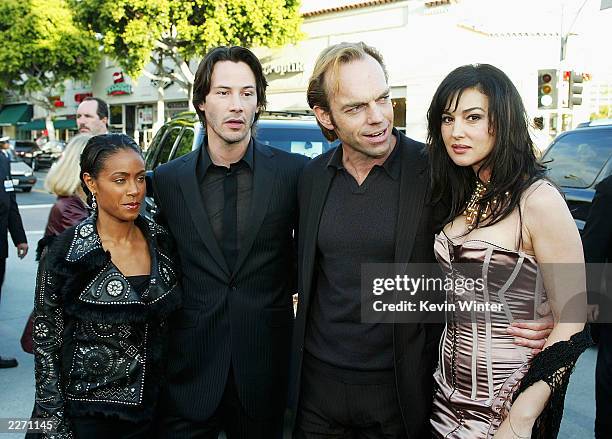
(508,226)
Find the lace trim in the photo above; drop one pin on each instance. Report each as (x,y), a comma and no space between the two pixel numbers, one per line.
(554,365)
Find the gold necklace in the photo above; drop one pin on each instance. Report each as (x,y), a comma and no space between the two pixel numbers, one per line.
(471,210)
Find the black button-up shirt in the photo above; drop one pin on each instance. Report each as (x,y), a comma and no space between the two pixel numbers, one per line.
(211,177)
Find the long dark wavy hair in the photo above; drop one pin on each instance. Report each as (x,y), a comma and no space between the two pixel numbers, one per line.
(512,161)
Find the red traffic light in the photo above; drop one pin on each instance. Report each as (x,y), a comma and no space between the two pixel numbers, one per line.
(546,77)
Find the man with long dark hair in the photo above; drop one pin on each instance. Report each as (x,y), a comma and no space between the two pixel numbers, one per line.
(231,206)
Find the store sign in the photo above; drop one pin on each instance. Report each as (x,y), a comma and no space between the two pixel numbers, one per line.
(78,98)
(181,105)
(120,88)
(282,69)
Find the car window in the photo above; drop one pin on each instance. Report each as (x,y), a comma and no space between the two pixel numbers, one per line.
(308,142)
(166,145)
(184,145)
(153,149)
(576,159)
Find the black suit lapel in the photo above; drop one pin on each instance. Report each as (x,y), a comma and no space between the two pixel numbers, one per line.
(263,182)
(317,197)
(413,190)
(193,199)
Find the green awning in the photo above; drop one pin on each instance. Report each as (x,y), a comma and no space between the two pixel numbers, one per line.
(36,124)
(65,124)
(58,124)
(13,114)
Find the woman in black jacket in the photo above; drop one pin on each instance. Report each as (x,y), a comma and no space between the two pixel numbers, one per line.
(104,290)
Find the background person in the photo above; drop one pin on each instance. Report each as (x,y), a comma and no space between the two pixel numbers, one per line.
(92,116)
(597,241)
(63,180)
(10,221)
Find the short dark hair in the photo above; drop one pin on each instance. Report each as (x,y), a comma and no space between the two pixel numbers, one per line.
(102,110)
(512,161)
(203,77)
(98,150)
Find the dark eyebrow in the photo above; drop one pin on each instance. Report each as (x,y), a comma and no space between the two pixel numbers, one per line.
(447,111)
(356,104)
(474,108)
(227,87)
(123,173)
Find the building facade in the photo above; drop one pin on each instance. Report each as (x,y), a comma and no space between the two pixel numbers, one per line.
(421,41)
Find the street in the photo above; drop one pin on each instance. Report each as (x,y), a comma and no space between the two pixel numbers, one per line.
(17,384)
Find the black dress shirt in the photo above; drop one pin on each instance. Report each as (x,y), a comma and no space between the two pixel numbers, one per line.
(211,178)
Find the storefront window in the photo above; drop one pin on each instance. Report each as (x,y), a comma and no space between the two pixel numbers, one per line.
(116,115)
(399,114)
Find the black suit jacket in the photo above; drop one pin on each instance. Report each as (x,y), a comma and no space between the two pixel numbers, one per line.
(597,244)
(414,345)
(245,317)
(10,220)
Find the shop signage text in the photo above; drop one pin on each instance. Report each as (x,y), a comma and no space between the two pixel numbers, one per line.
(281,69)
(120,88)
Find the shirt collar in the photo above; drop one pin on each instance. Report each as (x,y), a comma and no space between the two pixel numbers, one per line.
(392,165)
(206,162)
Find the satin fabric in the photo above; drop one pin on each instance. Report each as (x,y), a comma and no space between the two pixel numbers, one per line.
(479,366)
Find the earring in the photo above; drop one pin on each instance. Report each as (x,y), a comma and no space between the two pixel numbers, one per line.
(94,205)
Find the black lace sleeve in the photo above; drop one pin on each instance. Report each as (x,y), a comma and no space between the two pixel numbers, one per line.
(554,365)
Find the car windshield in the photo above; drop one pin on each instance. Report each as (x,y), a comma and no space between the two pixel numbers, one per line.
(308,142)
(576,159)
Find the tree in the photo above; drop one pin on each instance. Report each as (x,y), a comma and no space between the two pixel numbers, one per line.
(170,33)
(605,112)
(40,48)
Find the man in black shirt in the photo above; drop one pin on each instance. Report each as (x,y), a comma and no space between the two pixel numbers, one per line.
(231,206)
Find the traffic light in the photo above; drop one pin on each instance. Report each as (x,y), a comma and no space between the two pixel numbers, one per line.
(575,89)
(547,89)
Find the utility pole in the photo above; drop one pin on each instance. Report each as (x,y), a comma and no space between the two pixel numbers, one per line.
(562,59)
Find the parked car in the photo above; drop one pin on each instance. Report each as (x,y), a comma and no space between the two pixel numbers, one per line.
(22,175)
(183,134)
(50,152)
(27,150)
(577,161)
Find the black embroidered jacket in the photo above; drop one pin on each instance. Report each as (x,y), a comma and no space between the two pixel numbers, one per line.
(99,345)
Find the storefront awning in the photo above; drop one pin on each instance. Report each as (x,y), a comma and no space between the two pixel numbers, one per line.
(58,124)
(36,124)
(13,114)
(65,124)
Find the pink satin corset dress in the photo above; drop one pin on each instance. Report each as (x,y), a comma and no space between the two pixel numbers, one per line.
(480,367)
